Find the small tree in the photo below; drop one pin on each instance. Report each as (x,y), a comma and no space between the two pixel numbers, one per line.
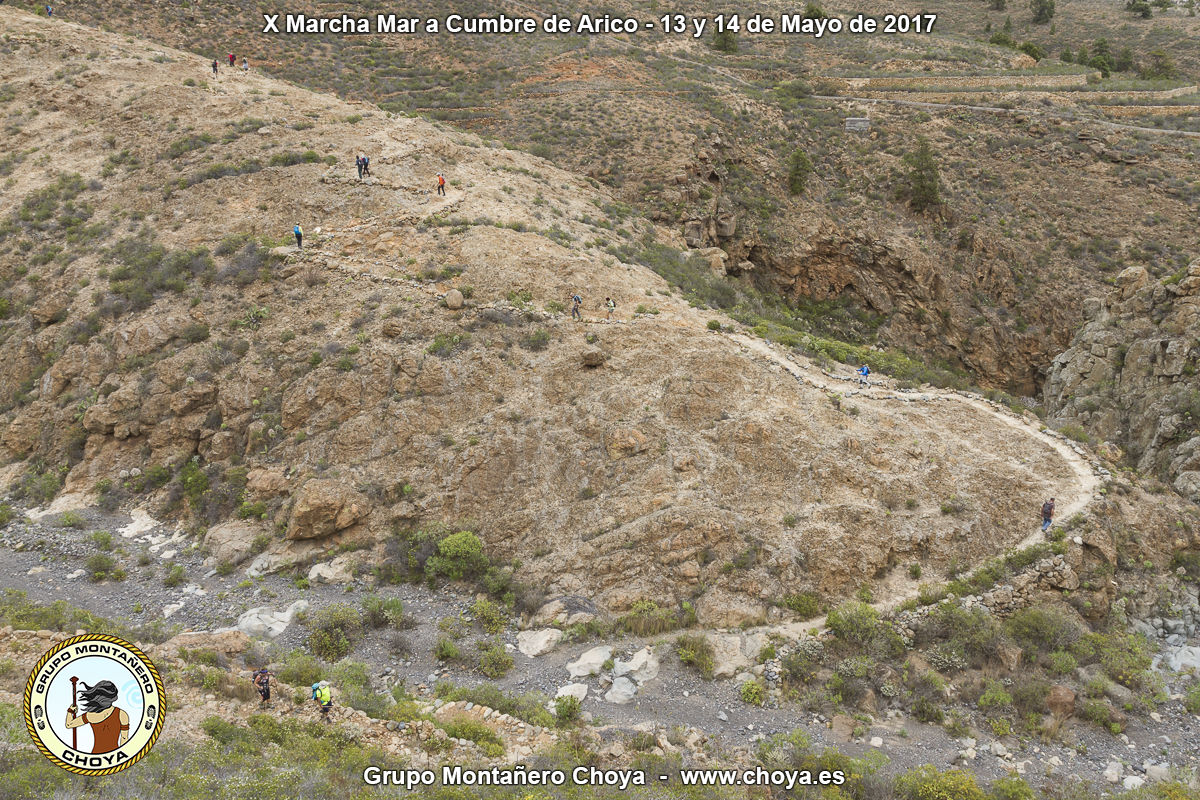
(1043,10)
(725,41)
(799,168)
(1160,65)
(924,183)
(1124,62)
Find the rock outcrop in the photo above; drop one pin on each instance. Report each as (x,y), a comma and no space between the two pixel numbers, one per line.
(1130,375)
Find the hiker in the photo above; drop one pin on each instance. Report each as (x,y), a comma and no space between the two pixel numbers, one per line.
(262,682)
(863,372)
(232,59)
(245,65)
(323,697)
(299,236)
(214,68)
(441,184)
(610,305)
(358,162)
(576,303)
(366,166)
(49,11)
(1047,513)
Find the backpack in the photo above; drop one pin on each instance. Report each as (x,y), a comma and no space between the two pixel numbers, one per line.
(577,300)
(1047,509)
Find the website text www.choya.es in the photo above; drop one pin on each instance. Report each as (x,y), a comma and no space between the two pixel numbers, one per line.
(450,775)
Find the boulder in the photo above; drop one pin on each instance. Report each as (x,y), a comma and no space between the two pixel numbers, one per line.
(567,610)
(642,667)
(265,622)
(1183,658)
(323,507)
(536,643)
(728,658)
(593,358)
(1061,700)
(229,642)
(232,542)
(454,299)
(622,692)
(577,690)
(340,570)
(590,663)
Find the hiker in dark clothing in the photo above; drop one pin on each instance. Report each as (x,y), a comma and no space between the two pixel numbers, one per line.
(262,682)
(358,162)
(576,304)
(1047,513)
(214,68)
(299,236)
(367,166)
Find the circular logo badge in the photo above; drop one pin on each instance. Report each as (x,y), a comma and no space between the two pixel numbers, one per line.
(94,704)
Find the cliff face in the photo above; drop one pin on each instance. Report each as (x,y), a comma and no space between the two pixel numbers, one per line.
(1129,376)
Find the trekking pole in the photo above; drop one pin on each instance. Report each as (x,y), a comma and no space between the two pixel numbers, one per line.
(75,704)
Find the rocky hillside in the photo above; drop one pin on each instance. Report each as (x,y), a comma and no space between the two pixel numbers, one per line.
(413,370)
(1129,376)
(702,141)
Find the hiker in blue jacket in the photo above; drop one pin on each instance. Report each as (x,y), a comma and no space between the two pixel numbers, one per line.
(863,372)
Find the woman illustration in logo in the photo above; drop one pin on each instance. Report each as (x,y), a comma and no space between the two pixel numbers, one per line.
(110,725)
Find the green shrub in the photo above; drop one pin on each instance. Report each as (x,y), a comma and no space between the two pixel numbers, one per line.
(537,341)
(102,539)
(567,710)
(753,692)
(459,556)
(194,482)
(1042,629)
(175,576)
(100,566)
(299,669)
(489,615)
(695,650)
(927,783)
(1029,695)
(333,631)
(994,696)
(858,624)
(1011,787)
(71,519)
(446,650)
(714,325)
(291,158)
(1126,658)
(805,605)
(530,707)
(1191,699)
(1061,662)
(463,727)
(799,168)
(378,612)
(648,618)
(494,660)
(6,514)
(446,344)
